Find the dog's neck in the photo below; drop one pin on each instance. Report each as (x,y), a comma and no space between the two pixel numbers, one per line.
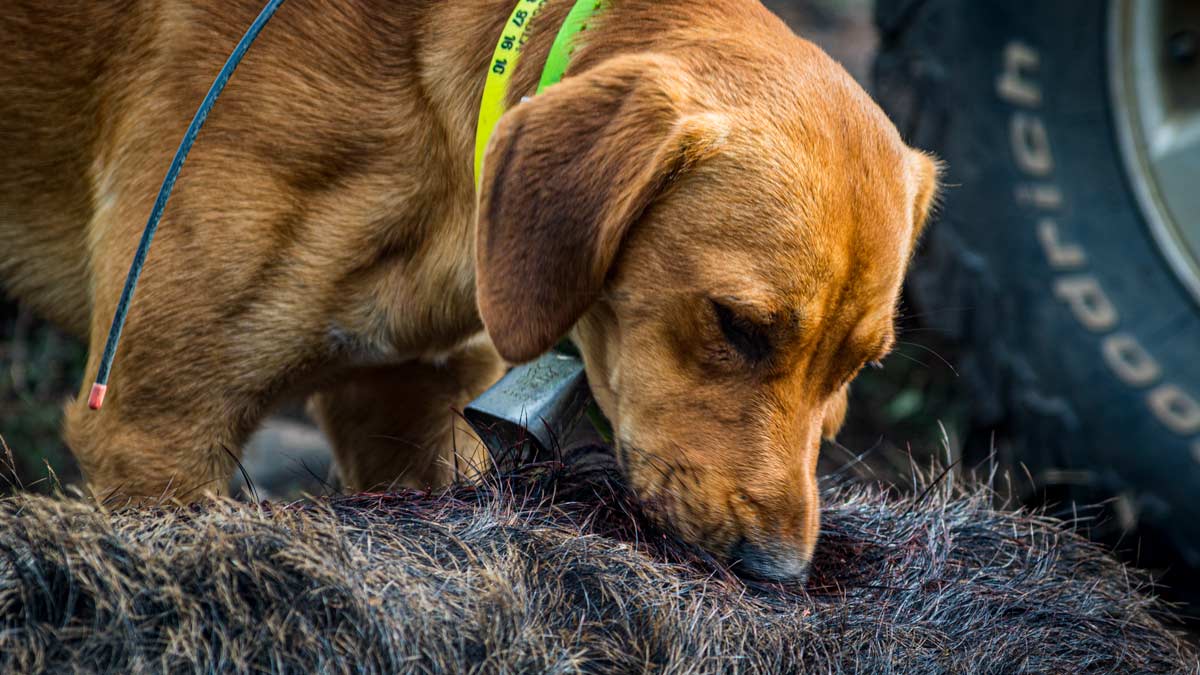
(460,38)
(508,55)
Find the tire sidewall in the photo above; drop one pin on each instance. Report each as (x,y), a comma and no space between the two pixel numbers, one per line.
(1080,335)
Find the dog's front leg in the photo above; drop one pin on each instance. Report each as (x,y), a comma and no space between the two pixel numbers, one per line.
(177,413)
(399,426)
(199,365)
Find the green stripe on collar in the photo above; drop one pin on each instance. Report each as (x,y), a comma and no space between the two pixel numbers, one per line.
(508,53)
(564,46)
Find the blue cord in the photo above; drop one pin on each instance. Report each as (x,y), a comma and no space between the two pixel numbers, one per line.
(96,399)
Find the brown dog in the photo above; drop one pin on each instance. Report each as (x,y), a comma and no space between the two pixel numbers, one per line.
(715,212)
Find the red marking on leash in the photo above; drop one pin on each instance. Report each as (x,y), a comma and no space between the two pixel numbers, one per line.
(96,398)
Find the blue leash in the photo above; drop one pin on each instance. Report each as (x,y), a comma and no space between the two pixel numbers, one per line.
(100,388)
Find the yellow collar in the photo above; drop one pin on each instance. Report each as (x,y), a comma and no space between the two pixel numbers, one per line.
(508,52)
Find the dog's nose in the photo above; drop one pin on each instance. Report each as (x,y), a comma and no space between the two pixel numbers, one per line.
(772,561)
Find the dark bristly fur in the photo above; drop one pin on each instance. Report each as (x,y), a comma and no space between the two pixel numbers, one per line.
(552,570)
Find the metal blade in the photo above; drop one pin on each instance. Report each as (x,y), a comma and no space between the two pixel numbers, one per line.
(533,408)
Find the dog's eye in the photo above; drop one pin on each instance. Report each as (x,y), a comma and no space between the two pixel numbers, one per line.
(747,337)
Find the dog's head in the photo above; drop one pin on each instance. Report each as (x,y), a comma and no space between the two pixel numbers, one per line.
(726,260)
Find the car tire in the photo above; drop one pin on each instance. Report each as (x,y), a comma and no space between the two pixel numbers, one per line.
(1080,342)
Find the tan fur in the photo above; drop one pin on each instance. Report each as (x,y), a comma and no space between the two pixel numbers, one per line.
(323,238)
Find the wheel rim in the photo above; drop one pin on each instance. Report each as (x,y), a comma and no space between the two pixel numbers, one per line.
(1154,66)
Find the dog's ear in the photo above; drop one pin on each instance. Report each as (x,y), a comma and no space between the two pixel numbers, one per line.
(565,176)
(927,170)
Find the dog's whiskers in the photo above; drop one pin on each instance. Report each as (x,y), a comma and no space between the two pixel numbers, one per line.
(931,351)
